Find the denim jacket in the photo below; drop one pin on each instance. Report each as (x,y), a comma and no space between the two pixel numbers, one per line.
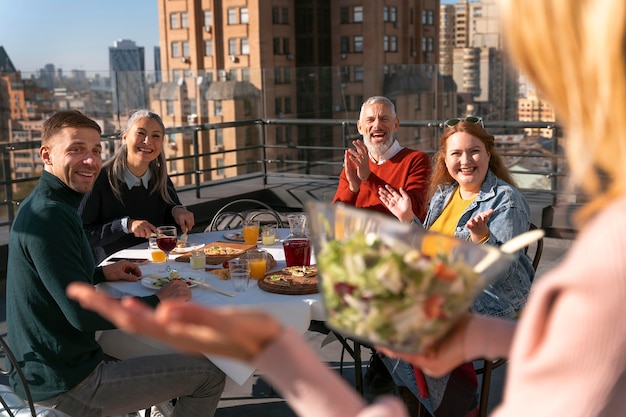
(506,296)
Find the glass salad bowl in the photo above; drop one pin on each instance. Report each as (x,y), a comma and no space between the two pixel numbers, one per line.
(393,284)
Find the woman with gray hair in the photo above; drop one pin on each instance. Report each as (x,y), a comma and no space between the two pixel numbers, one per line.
(133,193)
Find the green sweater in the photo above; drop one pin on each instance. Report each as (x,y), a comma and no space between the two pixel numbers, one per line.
(52,337)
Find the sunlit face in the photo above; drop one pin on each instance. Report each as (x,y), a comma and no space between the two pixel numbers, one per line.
(144,142)
(377,124)
(74,155)
(467,160)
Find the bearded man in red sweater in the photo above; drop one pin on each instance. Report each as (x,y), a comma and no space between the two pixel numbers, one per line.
(379,160)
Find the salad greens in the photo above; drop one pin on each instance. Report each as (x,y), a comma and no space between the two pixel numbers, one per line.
(391,295)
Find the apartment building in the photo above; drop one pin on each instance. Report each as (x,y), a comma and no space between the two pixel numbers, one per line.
(472,53)
(285,59)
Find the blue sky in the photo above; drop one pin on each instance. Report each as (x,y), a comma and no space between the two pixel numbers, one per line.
(75,34)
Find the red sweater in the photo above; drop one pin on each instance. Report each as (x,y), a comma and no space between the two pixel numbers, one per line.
(408,169)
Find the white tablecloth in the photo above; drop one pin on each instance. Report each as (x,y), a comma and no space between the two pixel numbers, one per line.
(296,311)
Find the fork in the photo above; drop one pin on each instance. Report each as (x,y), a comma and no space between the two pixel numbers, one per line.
(183,238)
(210,287)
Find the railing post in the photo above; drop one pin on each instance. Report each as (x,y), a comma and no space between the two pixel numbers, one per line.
(196,162)
(263,137)
(8,187)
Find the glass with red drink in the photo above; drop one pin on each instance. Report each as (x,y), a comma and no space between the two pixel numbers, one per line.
(297,252)
(167,237)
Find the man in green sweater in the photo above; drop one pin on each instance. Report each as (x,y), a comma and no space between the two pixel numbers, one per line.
(54,338)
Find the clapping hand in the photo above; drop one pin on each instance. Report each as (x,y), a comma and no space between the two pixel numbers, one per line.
(397,202)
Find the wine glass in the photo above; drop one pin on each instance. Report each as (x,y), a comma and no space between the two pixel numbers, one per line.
(166,241)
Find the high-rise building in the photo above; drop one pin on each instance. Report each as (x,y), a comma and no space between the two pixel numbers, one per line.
(127,67)
(471,52)
(230,60)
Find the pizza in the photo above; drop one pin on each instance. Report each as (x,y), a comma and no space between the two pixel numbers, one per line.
(301,271)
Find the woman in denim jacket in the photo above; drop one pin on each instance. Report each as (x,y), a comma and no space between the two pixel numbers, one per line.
(472,198)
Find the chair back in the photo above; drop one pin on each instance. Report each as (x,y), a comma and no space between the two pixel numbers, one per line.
(538,249)
(228,217)
(13,404)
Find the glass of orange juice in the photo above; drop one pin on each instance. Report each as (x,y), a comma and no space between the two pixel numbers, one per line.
(158,256)
(251,232)
(258,263)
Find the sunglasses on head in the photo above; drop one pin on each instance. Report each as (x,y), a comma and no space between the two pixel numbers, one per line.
(470,119)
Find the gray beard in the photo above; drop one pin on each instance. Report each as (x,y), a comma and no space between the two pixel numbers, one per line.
(377,150)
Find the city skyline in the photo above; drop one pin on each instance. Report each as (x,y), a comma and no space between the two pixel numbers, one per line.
(75,34)
(78,34)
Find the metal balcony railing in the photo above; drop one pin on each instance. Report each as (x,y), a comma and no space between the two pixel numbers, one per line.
(537,163)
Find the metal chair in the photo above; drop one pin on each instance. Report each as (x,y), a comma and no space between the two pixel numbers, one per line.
(227,218)
(13,404)
(489,365)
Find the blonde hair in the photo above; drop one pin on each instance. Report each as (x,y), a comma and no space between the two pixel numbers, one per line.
(119,162)
(575,54)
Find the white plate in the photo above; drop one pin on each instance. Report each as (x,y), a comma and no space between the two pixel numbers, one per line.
(157,282)
(187,248)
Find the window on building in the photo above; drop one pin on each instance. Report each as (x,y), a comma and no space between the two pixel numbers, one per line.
(170,107)
(247,107)
(280,138)
(358,73)
(208,48)
(390,14)
(287,75)
(278,106)
(174,23)
(249,141)
(232,74)
(286,46)
(245,74)
(393,43)
(431,17)
(344,15)
(208,18)
(232,46)
(219,162)
(345,44)
(177,74)
(276,43)
(217,110)
(358,43)
(232,16)
(386,43)
(185,48)
(424,45)
(346,102)
(424,17)
(358,100)
(219,137)
(184,23)
(288,105)
(243,15)
(245,46)
(277,76)
(275,15)
(345,74)
(357,15)
(175,49)
(431,44)
(285,13)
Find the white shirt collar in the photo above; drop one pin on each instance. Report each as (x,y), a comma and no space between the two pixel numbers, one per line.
(131,180)
(391,152)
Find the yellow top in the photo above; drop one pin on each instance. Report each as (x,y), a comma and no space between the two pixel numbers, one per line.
(446,223)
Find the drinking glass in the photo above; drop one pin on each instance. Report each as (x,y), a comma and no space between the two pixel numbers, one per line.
(166,241)
(297,225)
(158,256)
(268,235)
(297,252)
(258,263)
(239,269)
(251,232)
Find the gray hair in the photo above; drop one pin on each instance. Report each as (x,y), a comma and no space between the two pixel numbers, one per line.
(158,167)
(378,99)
